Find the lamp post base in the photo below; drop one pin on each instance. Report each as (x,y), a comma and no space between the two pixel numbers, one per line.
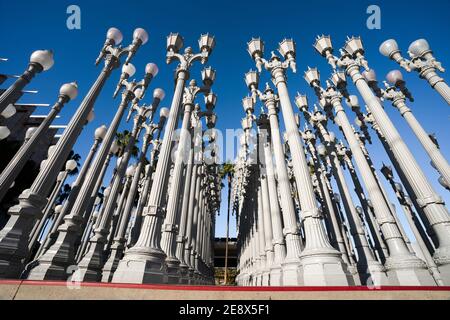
(142,265)
(408,271)
(324,268)
(113,261)
(173,270)
(14,236)
(292,273)
(275,276)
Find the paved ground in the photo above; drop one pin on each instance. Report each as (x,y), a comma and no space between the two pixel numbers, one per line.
(39,290)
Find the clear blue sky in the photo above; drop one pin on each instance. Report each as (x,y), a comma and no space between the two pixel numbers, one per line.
(29,25)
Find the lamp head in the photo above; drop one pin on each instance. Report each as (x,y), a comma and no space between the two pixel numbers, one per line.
(302,102)
(69,89)
(91,116)
(418,48)
(248,104)
(206,43)
(128,70)
(114,147)
(321,150)
(115,35)
(208,76)
(174,42)
(210,100)
(395,77)
(164,113)
(370,75)
(100,132)
(44,58)
(9,111)
(4,132)
(323,44)
(353,46)
(71,165)
(339,79)
(388,48)
(159,93)
(151,68)
(255,48)
(312,76)
(252,79)
(287,48)
(140,34)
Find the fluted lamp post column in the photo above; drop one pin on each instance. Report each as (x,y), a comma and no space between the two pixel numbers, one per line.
(40,60)
(422,61)
(145,262)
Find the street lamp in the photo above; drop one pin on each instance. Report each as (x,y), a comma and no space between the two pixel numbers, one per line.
(67,92)
(422,61)
(40,60)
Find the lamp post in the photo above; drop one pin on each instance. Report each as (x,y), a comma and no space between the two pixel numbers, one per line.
(40,60)
(422,61)
(67,92)
(148,259)
(170,229)
(352,58)
(317,247)
(398,98)
(13,238)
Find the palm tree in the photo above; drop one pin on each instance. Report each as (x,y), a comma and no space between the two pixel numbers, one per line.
(123,139)
(227,170)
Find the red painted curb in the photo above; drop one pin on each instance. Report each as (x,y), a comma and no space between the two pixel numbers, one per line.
(219,288)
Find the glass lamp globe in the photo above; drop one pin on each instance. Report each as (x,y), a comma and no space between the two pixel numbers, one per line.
(4,132)
(58,209)
(419,47)
(174,42)
(159,93)
(388,47)
(91,116)
(394,77)
(151,68)
(114,147)
(370,75)
(30,132)
(50,150)
(251,79)
(140,34)
(97,200)
(9,111)
(71,165)
(255,47)
(332,136)
(100,132)
(164,113)
(115,35)
(107,191)
(353,101)
(129,69)
(130,171)
(61,174)
(119,160)
(321,149)
(43,58)
(69,89)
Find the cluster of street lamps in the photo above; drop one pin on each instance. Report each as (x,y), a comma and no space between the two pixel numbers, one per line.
(294,228)
(154,222)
